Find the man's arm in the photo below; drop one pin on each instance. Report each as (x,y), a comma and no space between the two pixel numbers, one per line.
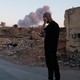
(42,28)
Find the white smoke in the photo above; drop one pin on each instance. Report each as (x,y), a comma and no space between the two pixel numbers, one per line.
(34,17)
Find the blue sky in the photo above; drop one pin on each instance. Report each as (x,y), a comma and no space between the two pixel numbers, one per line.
(13,10)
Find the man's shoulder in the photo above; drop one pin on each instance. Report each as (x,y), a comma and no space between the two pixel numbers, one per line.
(55,24)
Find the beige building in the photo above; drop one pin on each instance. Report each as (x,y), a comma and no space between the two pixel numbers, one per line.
(72,24)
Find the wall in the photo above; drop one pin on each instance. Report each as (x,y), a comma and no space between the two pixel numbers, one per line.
(72,24)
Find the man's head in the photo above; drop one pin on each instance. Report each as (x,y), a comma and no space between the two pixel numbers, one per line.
(47,16)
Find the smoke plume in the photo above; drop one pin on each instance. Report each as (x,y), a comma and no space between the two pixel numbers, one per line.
(34,17)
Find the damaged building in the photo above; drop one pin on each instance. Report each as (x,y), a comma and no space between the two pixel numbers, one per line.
(72,24)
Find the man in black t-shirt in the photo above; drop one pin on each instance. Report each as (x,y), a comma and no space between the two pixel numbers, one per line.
(50,45)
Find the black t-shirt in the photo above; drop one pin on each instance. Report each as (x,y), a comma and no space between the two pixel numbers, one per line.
(51,36)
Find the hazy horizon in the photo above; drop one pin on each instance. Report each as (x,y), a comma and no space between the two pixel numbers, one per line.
(11,11)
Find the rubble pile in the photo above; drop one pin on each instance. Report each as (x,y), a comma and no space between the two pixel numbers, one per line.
(22,45)
(25,46)
(69,60)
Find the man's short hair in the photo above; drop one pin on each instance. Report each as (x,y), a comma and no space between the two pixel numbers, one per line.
(47,14)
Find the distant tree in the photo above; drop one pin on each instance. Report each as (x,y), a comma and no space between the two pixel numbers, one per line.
(2,24)
(15,26)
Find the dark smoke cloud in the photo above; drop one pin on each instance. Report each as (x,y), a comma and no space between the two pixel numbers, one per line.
(34,17)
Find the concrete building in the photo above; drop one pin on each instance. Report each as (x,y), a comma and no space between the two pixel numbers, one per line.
(72,24)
